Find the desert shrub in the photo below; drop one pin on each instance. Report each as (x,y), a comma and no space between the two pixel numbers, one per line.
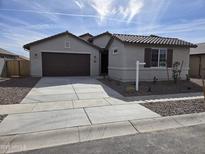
(155,79)
(130,88)
(187,77)
(176,71)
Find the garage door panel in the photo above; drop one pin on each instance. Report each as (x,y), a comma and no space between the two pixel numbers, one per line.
(65,64)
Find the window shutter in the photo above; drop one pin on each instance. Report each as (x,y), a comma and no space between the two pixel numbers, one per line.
(169,57)
(147,57)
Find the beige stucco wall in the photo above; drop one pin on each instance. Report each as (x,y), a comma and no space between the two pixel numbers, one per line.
(117,61)
(57,45)
(102,40)
(123,69)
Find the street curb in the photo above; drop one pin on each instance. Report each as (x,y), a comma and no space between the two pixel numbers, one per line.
(168,97)
(101,131)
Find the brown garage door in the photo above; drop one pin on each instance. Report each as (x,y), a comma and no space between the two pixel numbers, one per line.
(65,64)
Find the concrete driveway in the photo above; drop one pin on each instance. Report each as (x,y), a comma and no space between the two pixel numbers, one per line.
(80,104)
(55,89)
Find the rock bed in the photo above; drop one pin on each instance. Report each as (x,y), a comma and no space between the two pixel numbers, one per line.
(176,107)
(14,90)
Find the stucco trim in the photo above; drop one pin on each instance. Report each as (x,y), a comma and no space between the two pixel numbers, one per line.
(64,51)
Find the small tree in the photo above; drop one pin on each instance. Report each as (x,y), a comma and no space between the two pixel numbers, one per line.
(176,71)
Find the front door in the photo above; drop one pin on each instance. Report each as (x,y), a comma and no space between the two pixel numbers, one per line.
(104,62)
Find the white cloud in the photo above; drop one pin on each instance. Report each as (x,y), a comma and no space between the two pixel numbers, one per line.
(103,8)
(106,9)
(69,15)
(189,26)
(37,6)
(79,3)
(133,8)
(14,37)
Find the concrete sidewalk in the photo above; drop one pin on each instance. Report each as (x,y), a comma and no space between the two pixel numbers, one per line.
(56,119)
(56,137)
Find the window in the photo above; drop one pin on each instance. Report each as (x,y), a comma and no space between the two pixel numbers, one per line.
(115,51)
(159,58)
(155,57)
(67,44)
(163,58)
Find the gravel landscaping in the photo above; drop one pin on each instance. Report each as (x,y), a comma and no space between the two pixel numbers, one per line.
(151,88)
(14,90)
(176,107)
(2,117)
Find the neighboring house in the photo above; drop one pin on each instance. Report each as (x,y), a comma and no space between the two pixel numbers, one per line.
(197,61)
(23,58)
(65,54)
(9,57)
(4,54)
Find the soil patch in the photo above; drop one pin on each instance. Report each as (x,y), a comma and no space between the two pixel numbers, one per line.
(151,88)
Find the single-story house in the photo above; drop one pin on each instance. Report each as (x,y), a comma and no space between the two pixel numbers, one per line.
(197,61)
(7,55)
(66,54)
(4,54)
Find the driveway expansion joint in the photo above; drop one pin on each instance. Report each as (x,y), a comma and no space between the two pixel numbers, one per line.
(107,100)
(134,126)
(75,91)
(87,116)
(177,122)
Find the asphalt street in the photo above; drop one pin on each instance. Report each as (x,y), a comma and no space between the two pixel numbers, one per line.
(187,140)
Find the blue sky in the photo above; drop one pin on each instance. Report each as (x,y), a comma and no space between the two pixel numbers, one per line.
(23,21)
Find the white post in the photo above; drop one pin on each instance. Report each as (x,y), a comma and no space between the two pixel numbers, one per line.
(137,75)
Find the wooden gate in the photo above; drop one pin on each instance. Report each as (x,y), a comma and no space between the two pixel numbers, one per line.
(17,68)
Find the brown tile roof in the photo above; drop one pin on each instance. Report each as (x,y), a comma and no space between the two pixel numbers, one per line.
(153,40)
